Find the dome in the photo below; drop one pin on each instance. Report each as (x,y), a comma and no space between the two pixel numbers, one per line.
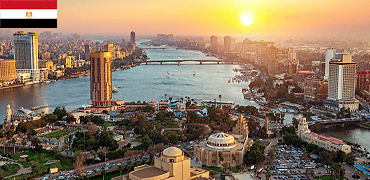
(172,151)
(221,140)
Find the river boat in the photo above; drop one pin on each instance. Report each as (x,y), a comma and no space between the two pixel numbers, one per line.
(35,108)
(193,73)
(114,90)
(119,86)
(282,110)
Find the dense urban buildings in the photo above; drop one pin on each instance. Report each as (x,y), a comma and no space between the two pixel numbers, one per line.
(8,71)
(315,89)
(26,54)
(341,88)
(362,80)
(101,78)
(329,143)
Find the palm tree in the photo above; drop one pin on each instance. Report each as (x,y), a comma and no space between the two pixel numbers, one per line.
(219,96)
(120,169)
(103,172)
(24,144)
(165,96)
(13,142)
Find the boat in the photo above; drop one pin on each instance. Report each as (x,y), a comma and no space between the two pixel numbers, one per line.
(282,110)
(119,86)
(35,108)
(193,73)
(114,90)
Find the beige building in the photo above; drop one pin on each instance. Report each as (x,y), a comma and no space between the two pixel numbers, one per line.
(223,148)
(47,64)
(171,165)
(101,78)
(8,72)
(329,143)
(315,89)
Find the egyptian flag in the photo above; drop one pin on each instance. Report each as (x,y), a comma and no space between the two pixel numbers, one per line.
(28,13)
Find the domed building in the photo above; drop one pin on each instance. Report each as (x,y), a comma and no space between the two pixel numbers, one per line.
(171,165)
(231,147)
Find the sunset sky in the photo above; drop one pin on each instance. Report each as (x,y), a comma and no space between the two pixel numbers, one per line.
(299,18)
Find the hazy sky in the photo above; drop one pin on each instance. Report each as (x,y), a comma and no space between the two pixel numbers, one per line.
(215,17)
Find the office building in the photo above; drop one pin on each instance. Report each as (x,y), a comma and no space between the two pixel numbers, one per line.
(8,71)
(46,64)
(362,80)
(26,53)
(315,89)
(101,78)
(214,42)
(341,88)
(229,44)
(328,143)
(330,54)
(171,165)
(132,37)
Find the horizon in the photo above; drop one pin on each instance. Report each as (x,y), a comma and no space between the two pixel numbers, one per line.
(286,19)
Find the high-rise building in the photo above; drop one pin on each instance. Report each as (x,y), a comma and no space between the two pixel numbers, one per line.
(315,89)
(214,42)
(362,80)
(87,48)
(8,72)
(101,78)
(330,54)
(227,43)
(132,37)
(341,88)
(26,53)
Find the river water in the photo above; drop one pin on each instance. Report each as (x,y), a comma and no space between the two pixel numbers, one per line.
(146,83)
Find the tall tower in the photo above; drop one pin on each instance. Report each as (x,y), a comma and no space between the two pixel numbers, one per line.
(302,127)
(227,44)
(214,42)
(341,88)
(8,116)
(101,78)
(26,53)
(241,127)
(330,54)
(132,37)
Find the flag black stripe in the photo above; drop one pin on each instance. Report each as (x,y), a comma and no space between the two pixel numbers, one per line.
(28,23)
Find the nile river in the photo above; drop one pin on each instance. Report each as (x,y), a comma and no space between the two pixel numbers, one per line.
(147,83)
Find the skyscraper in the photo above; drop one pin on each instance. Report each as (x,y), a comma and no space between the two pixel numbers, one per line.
(26,53)
(229,44)
(213,42)
(330,54)
(101,78)
(341,88)
(132,37)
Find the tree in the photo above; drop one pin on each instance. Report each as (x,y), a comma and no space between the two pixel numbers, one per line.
(120,169)
(295,122)
(13,142)
(172,136)
(35,141)
(268,174)
(234,158)
(79,165)
(24,144)
(103,173)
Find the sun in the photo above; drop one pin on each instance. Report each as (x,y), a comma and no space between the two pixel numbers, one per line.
(246,19)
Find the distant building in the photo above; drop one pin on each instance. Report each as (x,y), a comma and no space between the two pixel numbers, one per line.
(101,78)
(214,43)
(67,62)
(47,64)
(341,89)
(293,68)
(329,143)
(315,89)
(8,71)
(241,127)
(229,44)
(132,37)
(26,53)
(362,80)
(301,76)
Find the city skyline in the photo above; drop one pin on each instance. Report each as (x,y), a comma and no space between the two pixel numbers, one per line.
(221,18)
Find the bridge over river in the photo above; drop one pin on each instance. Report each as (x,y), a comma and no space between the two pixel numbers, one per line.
(178,62)
(340,122)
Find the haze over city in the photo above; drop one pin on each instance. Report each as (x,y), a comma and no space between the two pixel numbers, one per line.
(327,19)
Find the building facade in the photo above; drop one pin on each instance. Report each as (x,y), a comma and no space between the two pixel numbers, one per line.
(8,71)
(362,80)
(341,88)
(214,43)
(132,37)
(171,165)
(315,89)
(26,53)
(101,78)
(329,143)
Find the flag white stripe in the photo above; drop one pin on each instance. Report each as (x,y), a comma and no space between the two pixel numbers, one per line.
(21,13)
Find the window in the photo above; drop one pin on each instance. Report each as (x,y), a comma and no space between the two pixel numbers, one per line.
(172,160)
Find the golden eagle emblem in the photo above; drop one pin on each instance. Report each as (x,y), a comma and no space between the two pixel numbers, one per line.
(29,14)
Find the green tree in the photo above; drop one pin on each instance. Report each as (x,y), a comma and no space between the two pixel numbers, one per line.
(172,136)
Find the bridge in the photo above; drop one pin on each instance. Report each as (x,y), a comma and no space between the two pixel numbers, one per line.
(160,48)
(155,48)
(178,62)
(328,122)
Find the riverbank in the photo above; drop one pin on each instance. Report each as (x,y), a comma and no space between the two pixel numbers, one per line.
(11,87)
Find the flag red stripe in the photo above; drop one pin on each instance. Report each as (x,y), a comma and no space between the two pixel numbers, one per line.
(41,4)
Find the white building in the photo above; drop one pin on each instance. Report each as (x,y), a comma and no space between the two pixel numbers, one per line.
(26,53)
(341,86)
(330,54)
(329,143)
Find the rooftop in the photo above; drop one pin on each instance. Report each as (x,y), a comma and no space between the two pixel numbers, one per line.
(330,139)
(147,172)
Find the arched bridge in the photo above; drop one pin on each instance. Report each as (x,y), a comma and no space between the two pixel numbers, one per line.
(178,62)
